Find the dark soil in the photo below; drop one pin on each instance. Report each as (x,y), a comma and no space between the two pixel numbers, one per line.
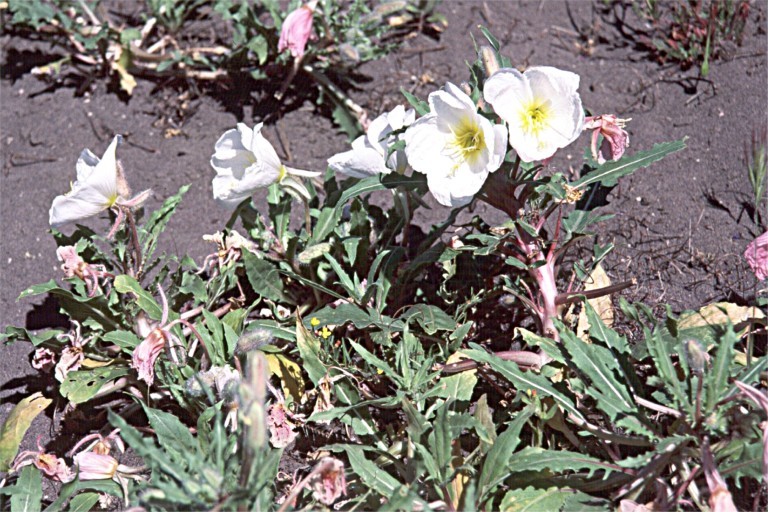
(680,226)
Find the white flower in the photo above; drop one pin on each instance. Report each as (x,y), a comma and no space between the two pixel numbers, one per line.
(100,185)
(368,156)
(541,107)
(454,146)
(245,161)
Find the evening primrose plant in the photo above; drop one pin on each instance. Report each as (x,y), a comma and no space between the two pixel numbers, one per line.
(355,361)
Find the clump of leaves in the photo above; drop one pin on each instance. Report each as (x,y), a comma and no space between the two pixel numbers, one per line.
(376,352)
(164,42)
(692,32)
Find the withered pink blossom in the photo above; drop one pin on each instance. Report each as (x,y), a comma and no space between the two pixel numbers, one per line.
(95,466)
(720,499)
(147,352)
(281,428)
(297,27)
(101,444)
(73,355)
(757,256)
(74,266)
(327,481)
(44,359)
(615,138)
(49,464)
(159,338)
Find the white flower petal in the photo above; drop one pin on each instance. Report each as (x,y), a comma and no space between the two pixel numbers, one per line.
(455,147)
(94,191)
(302,173)
(450,104)
(229,191)
(82,203)
(263,150)
(425,146)
(541,107)
(104,177)
(86,164)
(245,161)
(358,163)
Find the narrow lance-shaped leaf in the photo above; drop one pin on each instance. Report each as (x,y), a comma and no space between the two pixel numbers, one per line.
(30,491)
(609,172)
(522,380)
(495,465)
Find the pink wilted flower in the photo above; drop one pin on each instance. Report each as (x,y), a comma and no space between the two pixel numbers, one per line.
(74,266)
(44,359)
(158,338)
(757,256)
(327,481)
(51,466)
(296,30)
(96,466)
(615,138)
(101,444)
(720,498)
(73,355)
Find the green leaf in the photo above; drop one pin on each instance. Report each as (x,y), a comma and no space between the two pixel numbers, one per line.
(29,491)
(171,433)
(125,339)
(717,377)
(554,499)
(17,424)
(374,361)
(430,318)
(659,351)
(609,172)
(371,475)
(19,333)
(326,223)
(457,387)
(194,285)
(71,488)
(599,365)
(83,502)
(555,461)
(127,284)
(495,465)
(309,349)
(82,385)
(521,380)
(264,277)
(420,106)
(80,308)
(599,331)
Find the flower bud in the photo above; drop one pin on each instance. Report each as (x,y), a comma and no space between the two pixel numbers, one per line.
(696,356)
(253,340)
(490,62)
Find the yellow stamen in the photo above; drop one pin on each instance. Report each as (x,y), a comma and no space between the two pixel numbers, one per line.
(468,140)
(535,116)
(283,173)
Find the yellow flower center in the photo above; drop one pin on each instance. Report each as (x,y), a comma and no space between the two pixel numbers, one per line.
(535,116)
(283,172)
(468,140)
(111,201)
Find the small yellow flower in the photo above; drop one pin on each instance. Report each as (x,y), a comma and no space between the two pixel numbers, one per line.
(314,322)
(325,333)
